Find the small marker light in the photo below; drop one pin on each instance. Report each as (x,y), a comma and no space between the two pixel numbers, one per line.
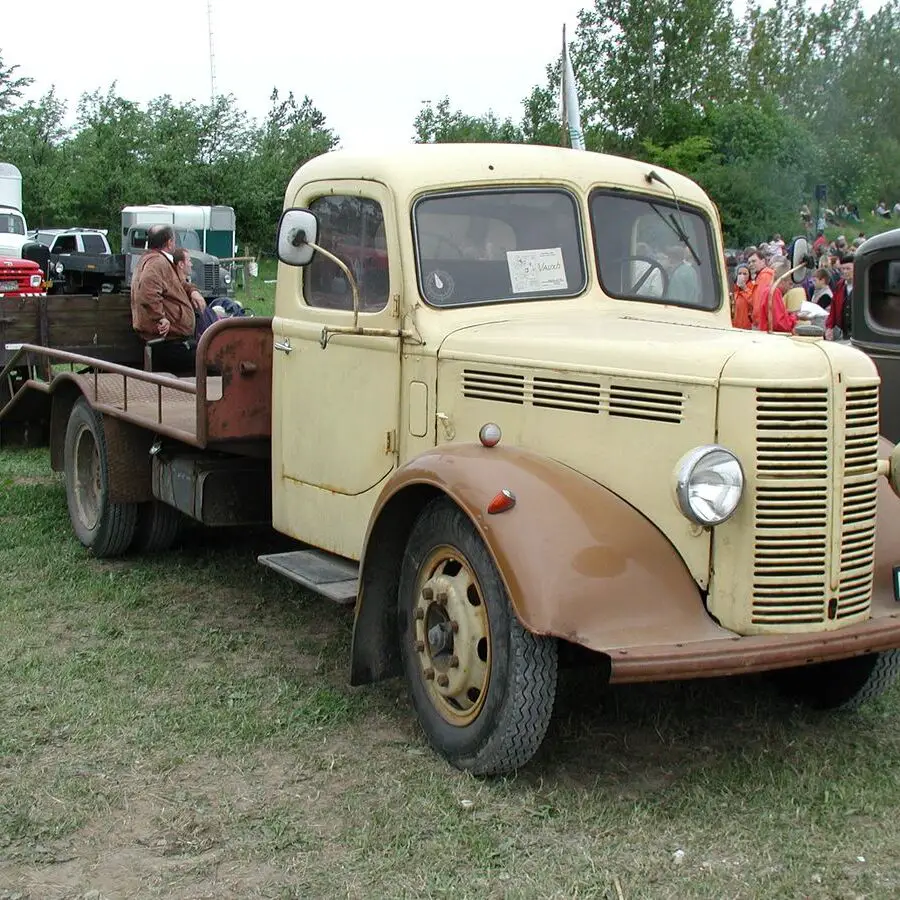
(504,501)
(490,434)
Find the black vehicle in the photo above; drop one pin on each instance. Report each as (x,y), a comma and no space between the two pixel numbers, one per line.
(875,320)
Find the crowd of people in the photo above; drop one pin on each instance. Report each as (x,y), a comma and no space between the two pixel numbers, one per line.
(763,299)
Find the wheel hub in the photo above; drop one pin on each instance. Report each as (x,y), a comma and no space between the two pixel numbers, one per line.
(452,636)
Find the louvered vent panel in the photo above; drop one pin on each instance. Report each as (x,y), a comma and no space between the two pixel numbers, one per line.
(623,401)
(794,524)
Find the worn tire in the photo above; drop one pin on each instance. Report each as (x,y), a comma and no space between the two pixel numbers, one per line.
(843,683)
(158,525)
(105,528)
(488,713)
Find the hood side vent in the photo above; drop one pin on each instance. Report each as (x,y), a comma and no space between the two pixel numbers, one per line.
(499,386)
(557,393)
(645,403)
(620,400)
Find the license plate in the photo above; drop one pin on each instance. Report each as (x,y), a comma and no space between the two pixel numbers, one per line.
(8,286)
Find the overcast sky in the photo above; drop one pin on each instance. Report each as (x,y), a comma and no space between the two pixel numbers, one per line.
(368,66)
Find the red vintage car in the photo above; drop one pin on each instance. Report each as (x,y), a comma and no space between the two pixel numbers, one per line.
(21,278)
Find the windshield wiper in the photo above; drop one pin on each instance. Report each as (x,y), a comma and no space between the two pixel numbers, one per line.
(672,222)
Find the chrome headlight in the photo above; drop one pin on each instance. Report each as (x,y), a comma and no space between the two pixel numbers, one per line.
(59,268)
(226,278)
(709,484)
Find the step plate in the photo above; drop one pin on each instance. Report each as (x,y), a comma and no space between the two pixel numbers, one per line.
(331,576)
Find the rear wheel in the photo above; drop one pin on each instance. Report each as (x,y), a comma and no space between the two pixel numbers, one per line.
(843,683)
(158,525)
(482,686)
(104,527)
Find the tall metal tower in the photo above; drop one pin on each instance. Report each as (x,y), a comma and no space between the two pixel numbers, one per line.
(212,56)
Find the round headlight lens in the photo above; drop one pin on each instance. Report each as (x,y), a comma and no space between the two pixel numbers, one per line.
(226,278)
(59,268)
(710,484)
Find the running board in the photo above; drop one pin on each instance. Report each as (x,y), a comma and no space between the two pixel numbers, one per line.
(323,573)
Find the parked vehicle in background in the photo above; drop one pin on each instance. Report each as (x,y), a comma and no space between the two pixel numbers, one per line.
(875,318)
(20,278)
(13,229)
(73,240)
(213,225)
(210,276)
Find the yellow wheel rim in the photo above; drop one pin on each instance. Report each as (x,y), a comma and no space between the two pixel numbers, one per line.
(452,635)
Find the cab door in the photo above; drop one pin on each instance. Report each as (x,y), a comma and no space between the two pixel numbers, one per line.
(336,396)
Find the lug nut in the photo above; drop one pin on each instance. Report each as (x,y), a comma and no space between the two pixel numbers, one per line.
(442,597)
(454,662)
(454,627)
(429,674)
(443,680)
(420,614)
(420,646)
(427,593)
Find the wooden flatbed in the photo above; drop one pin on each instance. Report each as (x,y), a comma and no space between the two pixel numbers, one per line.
(230,410)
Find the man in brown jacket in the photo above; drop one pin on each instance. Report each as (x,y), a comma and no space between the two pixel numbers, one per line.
(160,307)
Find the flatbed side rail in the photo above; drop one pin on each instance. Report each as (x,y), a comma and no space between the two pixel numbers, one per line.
(130,377)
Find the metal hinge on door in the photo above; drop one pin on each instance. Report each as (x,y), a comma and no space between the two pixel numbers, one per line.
(390,442)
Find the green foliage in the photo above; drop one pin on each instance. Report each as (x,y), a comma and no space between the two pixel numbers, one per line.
(757,109)
(439,124)
(120,153)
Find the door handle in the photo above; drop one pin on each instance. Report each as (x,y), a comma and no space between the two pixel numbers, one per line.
(284,346)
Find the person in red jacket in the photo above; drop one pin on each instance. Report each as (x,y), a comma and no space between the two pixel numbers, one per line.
(742,297)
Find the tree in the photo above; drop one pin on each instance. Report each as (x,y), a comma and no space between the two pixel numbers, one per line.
(11,85)
(439,124)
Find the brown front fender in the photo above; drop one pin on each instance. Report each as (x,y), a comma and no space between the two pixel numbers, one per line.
(578,562)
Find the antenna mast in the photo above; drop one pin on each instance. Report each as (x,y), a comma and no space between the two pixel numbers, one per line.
(212,56)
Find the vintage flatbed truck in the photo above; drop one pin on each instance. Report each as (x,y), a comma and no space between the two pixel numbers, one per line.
(502,409)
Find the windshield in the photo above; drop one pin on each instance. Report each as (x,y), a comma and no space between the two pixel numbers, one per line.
(187,239)
(650,249)
(11,223)
(507,245)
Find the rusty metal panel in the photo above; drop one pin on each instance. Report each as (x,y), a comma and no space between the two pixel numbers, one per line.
(128,460)
(240,349)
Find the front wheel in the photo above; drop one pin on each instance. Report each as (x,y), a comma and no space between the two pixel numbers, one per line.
(482,686)
(843,683)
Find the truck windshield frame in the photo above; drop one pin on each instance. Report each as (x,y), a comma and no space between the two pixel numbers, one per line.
(650,249)
(498,245)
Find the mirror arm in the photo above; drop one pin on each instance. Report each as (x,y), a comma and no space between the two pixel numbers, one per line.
(350,279)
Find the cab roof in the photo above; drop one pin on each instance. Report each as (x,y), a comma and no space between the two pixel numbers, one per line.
(410,169)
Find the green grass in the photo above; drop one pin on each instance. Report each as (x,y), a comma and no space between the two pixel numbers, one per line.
(182,726)
(255,294)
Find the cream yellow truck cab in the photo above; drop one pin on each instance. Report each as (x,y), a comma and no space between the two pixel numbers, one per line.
(505,381)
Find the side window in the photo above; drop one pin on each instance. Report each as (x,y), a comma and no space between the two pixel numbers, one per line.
(93,243)
(65,243)
(352,228)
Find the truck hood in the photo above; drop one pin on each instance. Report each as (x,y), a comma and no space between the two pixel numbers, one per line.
(11,244)
(604,341)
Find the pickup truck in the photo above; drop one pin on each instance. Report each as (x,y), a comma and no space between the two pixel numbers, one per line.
(80,261)
(497,436)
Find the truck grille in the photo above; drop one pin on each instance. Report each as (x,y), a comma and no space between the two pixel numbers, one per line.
(796,526)
(210,278)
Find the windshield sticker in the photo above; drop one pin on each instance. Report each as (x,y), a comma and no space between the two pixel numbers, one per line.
(531,271)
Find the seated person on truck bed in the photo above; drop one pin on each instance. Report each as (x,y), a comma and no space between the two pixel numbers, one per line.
(160,308)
